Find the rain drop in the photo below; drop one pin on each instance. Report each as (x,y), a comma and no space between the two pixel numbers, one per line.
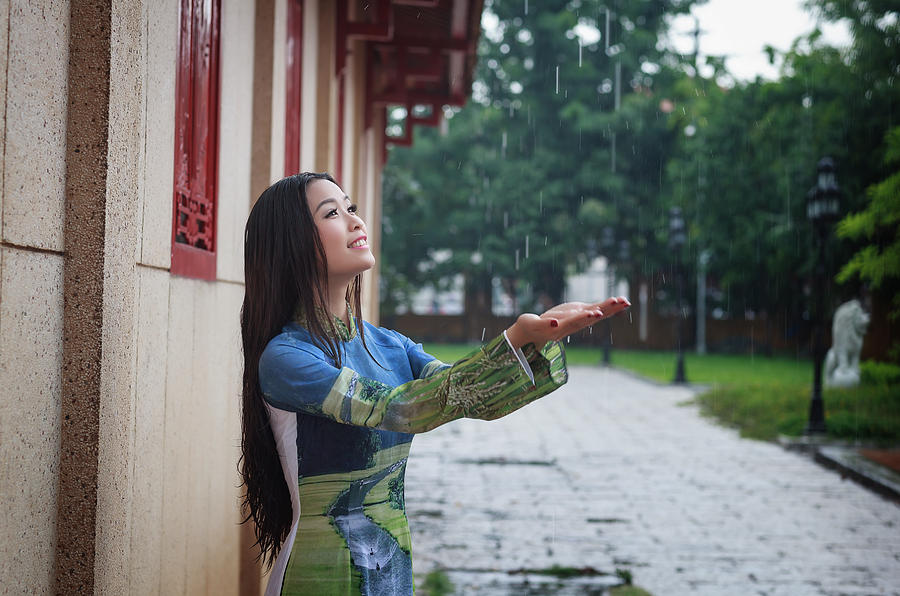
(483,329)
(526,246)
(517,259)
(606,37)
(557,79)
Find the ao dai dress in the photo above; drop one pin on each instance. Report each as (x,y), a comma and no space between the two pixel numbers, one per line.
(343,436)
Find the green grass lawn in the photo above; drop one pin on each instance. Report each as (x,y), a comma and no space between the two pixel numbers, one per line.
(762,396)
(708,369)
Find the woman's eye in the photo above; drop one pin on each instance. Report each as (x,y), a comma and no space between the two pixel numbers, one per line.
(353,208)
(331,213)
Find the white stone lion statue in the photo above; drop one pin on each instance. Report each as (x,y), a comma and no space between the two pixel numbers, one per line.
(847,331)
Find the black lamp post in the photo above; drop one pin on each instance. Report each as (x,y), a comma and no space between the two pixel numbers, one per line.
(677,239)
(822,205)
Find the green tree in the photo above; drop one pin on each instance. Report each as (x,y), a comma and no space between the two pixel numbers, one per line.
(549,151)
(743,176)
(878,225)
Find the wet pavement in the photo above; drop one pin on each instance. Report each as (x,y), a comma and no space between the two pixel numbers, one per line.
(612,473)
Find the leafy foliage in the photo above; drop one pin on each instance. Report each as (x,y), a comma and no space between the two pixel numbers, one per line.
(878,262)
(551,155)
(542,158)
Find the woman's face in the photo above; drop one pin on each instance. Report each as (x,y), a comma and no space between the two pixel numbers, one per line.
(341,230)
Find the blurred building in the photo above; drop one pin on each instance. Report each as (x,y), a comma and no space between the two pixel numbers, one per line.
(597,282)
(135,138)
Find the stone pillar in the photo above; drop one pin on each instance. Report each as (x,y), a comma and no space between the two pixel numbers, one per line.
(85,220)
(103,158)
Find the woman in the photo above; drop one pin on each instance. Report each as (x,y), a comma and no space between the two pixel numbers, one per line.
(330,402)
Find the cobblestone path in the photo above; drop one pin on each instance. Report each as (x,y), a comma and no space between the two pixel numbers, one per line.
(611,472)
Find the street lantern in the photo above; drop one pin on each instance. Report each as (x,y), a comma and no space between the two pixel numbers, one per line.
(822,207)
(677,240)
(823,199)
(624,251)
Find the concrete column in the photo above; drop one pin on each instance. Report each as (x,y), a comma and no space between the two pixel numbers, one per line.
(309,116)
(261,170)
(326,89)
(83,233)
(261,135)
(104,155)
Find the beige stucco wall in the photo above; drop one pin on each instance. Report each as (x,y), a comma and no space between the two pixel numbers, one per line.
(30,364)
(236,117)
(33,92)
(184,532)
(121,249)
(4,60)
(199,531)
(34,177)
(185,536)
(167,508)
(167,499)
(160,42)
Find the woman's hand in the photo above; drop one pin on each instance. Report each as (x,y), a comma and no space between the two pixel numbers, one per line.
(562,320)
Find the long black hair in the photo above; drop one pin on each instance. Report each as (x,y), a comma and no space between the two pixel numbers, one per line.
(285,271)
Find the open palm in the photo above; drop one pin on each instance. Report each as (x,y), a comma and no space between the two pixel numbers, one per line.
(562,320)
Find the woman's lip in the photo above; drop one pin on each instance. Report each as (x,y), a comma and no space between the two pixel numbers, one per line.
(364,244)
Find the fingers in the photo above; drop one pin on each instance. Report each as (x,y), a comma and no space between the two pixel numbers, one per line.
(577,323)
(614,301)
(614,305)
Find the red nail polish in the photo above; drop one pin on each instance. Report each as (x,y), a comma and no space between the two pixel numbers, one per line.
(554,324)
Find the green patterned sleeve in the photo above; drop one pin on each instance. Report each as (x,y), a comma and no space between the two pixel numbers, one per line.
(487,384)
(549,368)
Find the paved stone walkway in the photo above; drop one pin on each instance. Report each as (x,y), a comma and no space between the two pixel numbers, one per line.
(611,472)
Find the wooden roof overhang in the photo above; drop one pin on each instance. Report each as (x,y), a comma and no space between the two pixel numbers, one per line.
(419,54)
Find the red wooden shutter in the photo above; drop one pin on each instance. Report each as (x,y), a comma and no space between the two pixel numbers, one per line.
(196,140)
(293,85)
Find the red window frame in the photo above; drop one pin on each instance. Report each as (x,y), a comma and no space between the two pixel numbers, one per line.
(293,87)
(196,140)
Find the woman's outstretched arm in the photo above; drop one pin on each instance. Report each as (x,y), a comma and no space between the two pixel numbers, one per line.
(487,384)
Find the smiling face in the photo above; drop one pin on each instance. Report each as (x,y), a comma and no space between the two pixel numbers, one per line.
(341,230)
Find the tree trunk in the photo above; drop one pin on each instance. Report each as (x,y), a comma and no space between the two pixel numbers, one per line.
(477,306)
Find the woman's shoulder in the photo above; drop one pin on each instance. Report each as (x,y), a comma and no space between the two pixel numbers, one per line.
(293,340)
(384,336)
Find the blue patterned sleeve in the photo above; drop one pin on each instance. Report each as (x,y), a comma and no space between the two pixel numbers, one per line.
(423,364)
